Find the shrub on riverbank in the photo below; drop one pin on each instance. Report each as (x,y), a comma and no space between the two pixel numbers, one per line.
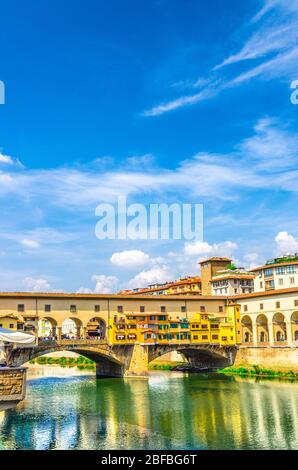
(80,361)
(257,371)
(164,365)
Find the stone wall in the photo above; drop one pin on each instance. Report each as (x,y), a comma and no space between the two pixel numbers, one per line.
(12,384)
(285,358)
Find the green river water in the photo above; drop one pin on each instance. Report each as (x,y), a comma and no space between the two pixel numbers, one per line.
(70,409)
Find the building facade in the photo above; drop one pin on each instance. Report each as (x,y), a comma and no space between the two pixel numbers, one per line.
(279,273)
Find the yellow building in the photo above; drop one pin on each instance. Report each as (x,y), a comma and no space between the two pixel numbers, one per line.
(11,322)
(161,328)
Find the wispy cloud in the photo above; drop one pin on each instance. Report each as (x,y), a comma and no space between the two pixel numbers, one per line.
(268,158)
(272,43)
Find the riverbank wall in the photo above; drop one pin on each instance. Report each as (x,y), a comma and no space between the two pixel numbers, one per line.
(275,358)
(12,384)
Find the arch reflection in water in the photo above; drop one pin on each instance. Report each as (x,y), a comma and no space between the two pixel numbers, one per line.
(170,411)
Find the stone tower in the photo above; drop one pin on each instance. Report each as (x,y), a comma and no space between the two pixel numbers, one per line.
(209,267)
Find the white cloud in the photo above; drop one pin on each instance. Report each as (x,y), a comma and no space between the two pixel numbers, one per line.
(273,42)
(6,159)
(157,274)
(286,243)
(30,244)
(223,176)
(130,258)
(104,285)
(204,249)
(36,285)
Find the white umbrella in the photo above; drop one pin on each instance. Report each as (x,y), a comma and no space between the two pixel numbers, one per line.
(18,337)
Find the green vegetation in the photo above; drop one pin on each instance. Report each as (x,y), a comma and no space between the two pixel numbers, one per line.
(165,365)
(232,267)
(284,259)
(257,371)
(80,362)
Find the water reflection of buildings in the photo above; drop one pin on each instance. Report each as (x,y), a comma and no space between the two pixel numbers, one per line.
(167,412)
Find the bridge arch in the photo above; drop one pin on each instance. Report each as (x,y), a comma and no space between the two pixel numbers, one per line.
(96,327)
(108,364)
(47,326)
(247,334)
(72,328)
(262,328)
(279,327)
(294,326)
(212,357)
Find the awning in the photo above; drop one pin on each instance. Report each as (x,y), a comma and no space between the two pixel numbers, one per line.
(12,336)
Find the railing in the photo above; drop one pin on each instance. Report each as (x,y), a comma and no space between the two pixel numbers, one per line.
(70,342)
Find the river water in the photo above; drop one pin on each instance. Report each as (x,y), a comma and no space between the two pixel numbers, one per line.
(70,409)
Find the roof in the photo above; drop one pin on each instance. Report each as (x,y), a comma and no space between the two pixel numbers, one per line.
(232,276)
(289,290)
(268,266)
(53,295)
(215,258)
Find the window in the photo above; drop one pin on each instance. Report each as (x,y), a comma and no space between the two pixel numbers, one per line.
(202,308)
(291,269)
(245,308)
(120,309)
(292,280)
(195,337)
(220,309)
(47,308)
(73,308)
(120,337)
(280,282)
(280,270)
(21,308)
(224,338)
(20,326)
(1,325)
(11,325)
(142,309)
(96,308)
(268,272)
(296,303)
(261,285)
(206,337)
(235,291)
(163,308)
(183,309)
(277,304)
(261,306)
(214,336)
(131,336)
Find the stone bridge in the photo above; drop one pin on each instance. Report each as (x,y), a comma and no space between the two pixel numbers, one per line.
(128,360)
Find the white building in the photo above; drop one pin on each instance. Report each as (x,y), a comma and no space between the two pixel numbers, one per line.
(279,273)
(232,282)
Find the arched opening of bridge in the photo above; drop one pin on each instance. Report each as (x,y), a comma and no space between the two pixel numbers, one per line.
(294,326)
(279,328)
(47,328)
(262,328)
(196,357)
(96,328)
(246,324)
(72,328)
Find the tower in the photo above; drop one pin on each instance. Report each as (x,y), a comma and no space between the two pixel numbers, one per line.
(209,267)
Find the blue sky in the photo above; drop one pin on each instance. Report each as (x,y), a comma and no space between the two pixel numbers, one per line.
(160,101)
